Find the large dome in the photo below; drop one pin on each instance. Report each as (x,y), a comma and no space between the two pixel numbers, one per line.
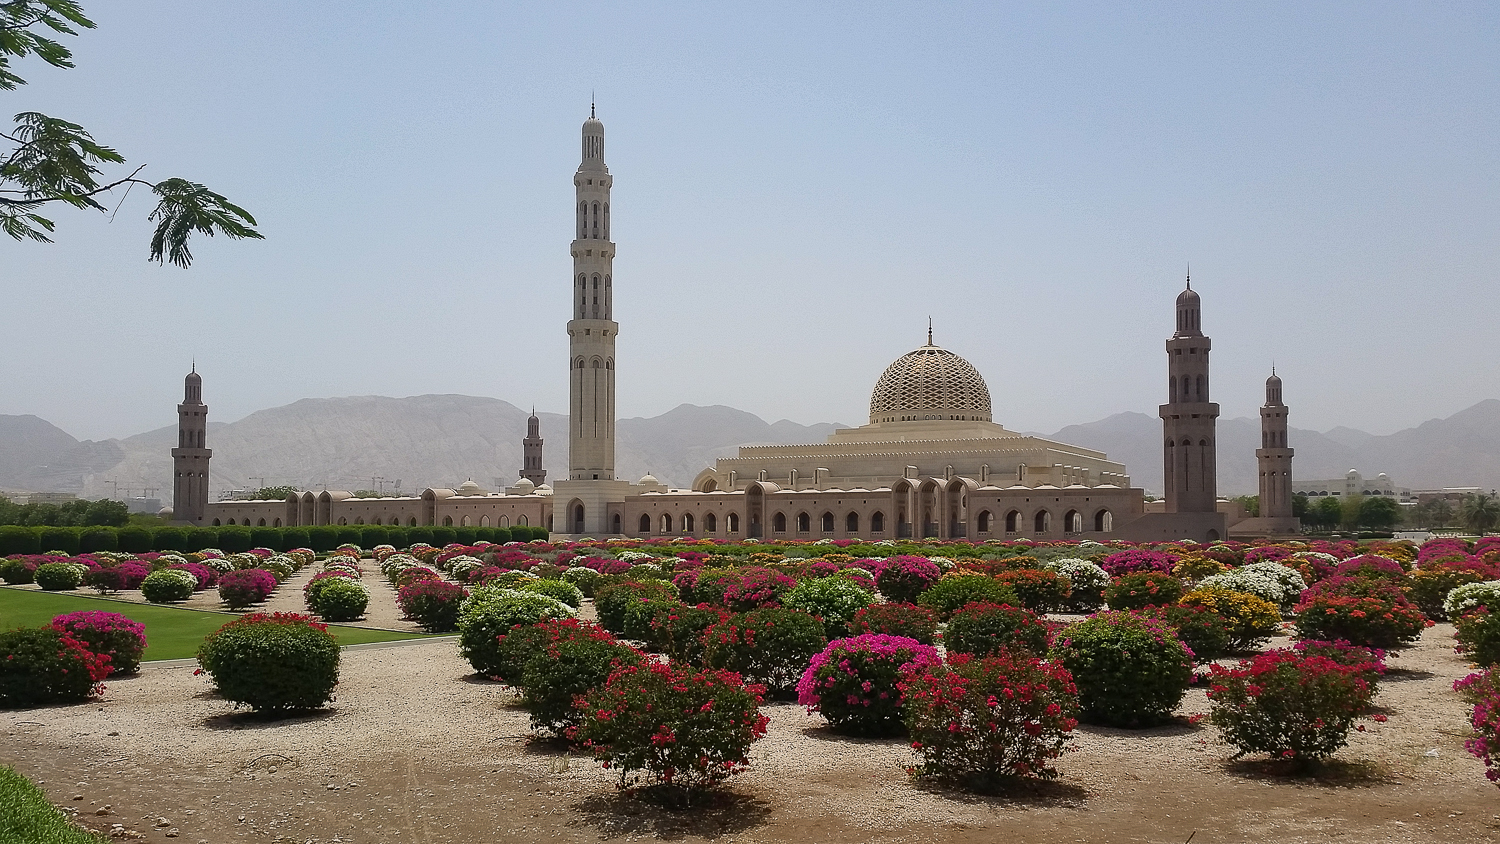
(930,383)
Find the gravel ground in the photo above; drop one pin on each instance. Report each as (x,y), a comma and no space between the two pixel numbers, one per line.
(415,749)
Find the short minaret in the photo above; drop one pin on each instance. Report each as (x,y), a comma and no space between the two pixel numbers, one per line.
(190,457)
(1189,419)
(591,331)
(531,452)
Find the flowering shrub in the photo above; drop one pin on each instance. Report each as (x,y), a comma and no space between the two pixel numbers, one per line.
(168,585)
(1272,582)
(768,646)
(1472,596)
(665,725)
(1430,586)
(321,580)
(1205,632)
(1478,635)
(1372,566)
(1251,620)
(1268,553)
(1039,590)
(1141,589)
(956,591)
(565,592)
(833,600)
(276,662)
(902,579)
(1138,559)
(433,604)
(110,634)
(583,577)
(243,587)
(1370,622)
(489,613)
(44,665)
(1195,567)
(907,620)
(408,576)
(566,668)
(614,601)
(341,599)
(517,647)
(979,723)
(677,629)
(757,587)
(1367,663)
(1290,705)
(987,629)
(59,577)
(1131,671)
(205,576)
(1482,691)
(853,682)
(1086,582)
(105,580)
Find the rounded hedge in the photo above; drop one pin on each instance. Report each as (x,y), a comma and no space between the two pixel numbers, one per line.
(167,585)
(433,604)
(58,577)
(953,593)
(489,613)
(1130,671)
(833,600)
(342,599)
(987,629)
(44,665)
(273,662)
(769,646)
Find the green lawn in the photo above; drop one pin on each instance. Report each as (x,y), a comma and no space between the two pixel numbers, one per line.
(26,816)
(171,632)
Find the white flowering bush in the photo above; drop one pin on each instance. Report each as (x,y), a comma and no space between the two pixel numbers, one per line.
(461,565)
(651,570)
(397,563)
(1088,579)
(1471,596)
(633,556)
(280,565)
(164,560)
(1272,582)
(834,600)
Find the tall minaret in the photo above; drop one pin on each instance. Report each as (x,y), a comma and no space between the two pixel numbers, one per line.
(531,452)
(591,331)
(1188,417)
(190,457)
(1273,456)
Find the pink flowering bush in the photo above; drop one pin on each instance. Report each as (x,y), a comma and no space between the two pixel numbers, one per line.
(757,587)
(432,604)
(107,633)
(1130,670)
(1372,566)
(853,682)
(1268,554)
(671,727)
(1138,559)
(981,723)
(902,579)
(1482,691)
(243,587)
(1478,635)
(45,665)
(1367,663)
(1289,705)
(205,576)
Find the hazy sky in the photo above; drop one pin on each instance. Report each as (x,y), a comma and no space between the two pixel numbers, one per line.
(798,187)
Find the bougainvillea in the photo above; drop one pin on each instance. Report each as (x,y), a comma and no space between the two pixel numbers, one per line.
(1252,620)
(1367,663)
(979,723)
(769,646)
(1478,635)
(1131,671)
(107,633)
(670,726)
(986,629)
(907,620)
(853,682)
(1365,621)
(1482,691)
(1205,632)
(432,604)
(833,600)
(1141,589)
(1286,704)
(241,588)
(1430,586)
(1039,590)
(1086,581)
(757,587)
(44,665)
(566,668)
(955,591)
(903,578)
(1138,559)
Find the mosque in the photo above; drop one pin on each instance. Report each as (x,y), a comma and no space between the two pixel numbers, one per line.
(931,462)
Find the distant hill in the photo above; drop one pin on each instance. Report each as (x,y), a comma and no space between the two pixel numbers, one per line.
(437,440)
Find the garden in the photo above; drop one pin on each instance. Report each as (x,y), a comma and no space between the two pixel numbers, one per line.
(827,690)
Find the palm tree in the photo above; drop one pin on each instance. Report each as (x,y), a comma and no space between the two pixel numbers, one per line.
(1479,512)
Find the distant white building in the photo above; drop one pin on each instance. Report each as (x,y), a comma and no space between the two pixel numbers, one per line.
(1353,483)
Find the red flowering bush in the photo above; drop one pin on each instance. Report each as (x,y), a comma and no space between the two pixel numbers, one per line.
(515,648)
(614,601)
(666,725)
(243,587)
(902,579)
(1039,590)
(1138,590)
(853,682)
(677,629)
(1372,566)
(1138,559)
(979,723)
(277,662)
(1478,635)
(1367,663)
(1130,670)
(986,629)
(1367,621)
(105,580)
(907,620)
(1482,691)
(107,633)
(770,646)
(757,587)
(1286,704)
(565,668)
(1268,554)
(415,574)
(45,665)
(433,604)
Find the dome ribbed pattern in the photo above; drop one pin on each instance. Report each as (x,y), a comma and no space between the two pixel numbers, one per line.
(930,381)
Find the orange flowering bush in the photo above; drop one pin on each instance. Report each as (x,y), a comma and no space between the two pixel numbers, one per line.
(1360,620)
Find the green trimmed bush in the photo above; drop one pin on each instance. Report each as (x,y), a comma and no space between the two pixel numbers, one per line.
(770,646)
(199,538)
(987,629)
(951,594)
(267,537)
(833,600)
(323,538)
(489,613)
(98,539)
(58,577)
(62,539)
(341,599)
(235,540)
(296,537)
(15,539)
(444,535)
(169,539)
(168,585)
(419,534)
(278,663)
(135,539)
(1131,671)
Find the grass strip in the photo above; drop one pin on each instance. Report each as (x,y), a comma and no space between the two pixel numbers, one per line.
(171,632)
(27,817)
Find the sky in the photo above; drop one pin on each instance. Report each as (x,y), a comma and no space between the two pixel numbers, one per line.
(798,187)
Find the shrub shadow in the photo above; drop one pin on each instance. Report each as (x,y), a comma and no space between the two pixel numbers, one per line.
(1177,725)
(1329,773)
(644,814)
(252,720)
(829,734)
(1401,675)
(1028,793)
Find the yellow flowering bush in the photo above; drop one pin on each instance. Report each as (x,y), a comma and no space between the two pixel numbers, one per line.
(1197,567)
(1251,620)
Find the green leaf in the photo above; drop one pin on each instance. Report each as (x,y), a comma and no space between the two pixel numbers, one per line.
(56,160)
(17,17)
(187,207)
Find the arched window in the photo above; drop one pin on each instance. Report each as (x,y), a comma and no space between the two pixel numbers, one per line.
(877,522)
(216,522)
(1073,522)
(710,523)
(804,523)
(984,521)
(851,524)
(645,523)
(827,521)
(1042,522)
(595,227)
(411,521)
(666,522)
(1200,388)
(504,521)
(464,522)
(733,522)
(778,523)
(484,520)
(687,522)
(583,219)
(1104,521)
(359,520)
(578,518)
(615,524)
(447,521)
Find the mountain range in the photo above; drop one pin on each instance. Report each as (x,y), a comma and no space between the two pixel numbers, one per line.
(372,442)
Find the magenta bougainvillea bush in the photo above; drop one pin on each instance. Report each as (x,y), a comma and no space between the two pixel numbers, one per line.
(107,633)
(853,681)
(243,587)
(1287,704)
(1138,559)
(1482,691)
(903,578)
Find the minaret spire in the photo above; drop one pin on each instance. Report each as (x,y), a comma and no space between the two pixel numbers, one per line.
(929,331)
